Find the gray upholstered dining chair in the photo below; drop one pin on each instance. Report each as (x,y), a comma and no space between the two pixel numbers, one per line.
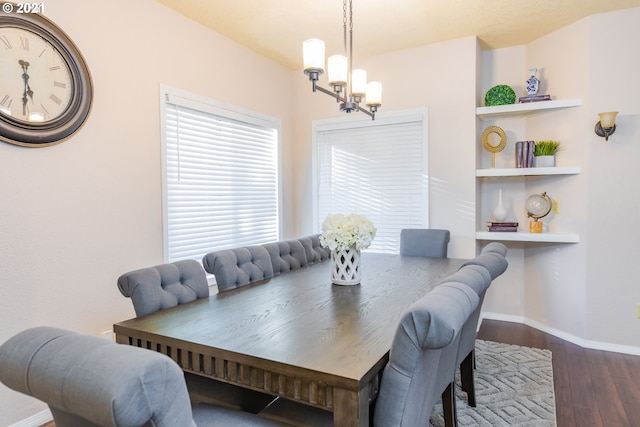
(495,247)
(428,242)
(494,262)
(89,381)
(314,250)
(422,360)
(421,367)
(479,280)
(478,275)
(234,268)
(286,255)
(163,286)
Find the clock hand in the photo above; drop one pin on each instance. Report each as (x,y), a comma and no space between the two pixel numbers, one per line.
(24,94)
(27,89)
(25,76)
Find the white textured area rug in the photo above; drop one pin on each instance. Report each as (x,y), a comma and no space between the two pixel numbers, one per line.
(514,387)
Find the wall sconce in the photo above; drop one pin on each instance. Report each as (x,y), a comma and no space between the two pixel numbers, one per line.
(607,124)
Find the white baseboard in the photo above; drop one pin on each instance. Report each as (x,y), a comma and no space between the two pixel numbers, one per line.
(35,420)
(626,349)
(596,345)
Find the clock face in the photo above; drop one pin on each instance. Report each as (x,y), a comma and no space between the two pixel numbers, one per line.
(35,82)
(45,86)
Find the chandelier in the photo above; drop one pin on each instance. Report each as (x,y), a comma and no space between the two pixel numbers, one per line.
(349,86)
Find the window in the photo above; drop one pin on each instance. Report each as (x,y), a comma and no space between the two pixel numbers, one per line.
(374,168)
(220,176)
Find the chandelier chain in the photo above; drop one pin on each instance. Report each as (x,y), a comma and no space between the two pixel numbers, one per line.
(350,60)
(344,25)
(344,13)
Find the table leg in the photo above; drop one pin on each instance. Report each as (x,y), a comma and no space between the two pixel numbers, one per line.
(351,408)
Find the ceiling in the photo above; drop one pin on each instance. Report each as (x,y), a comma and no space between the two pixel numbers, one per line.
(277,28)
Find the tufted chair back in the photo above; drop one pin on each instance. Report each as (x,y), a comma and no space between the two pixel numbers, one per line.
(422,360)
(496,247)
(238,267)
(286,255)
(427,242)
(314,251)
(478,274)
(92,382)
(494,262)
(163,286)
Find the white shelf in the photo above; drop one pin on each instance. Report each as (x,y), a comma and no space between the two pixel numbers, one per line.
(522,110)
(501,111)
(528,237)
(558,170)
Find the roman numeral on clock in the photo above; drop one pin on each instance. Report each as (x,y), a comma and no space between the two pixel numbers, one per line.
(55,99)
(6,101)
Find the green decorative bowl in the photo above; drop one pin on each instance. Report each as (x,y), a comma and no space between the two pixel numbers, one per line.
(500,95)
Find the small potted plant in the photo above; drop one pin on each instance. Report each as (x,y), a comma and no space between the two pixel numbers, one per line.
(545,153)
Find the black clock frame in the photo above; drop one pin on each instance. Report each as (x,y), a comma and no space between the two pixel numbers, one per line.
(18,132)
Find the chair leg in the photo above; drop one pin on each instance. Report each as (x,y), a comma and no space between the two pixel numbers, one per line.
(467,377)
(449,406)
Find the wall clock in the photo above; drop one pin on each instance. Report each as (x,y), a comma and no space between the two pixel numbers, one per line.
(45,85)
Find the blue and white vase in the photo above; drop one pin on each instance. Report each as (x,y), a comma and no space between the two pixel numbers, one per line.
(533,82)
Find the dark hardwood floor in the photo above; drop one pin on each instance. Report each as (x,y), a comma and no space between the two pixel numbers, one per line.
(592,387)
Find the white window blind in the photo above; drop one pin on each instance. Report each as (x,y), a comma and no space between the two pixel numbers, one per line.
(220,178)
(376,169)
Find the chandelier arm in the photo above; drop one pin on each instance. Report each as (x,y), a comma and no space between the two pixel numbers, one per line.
(332,94)
(371,114)
(329,92)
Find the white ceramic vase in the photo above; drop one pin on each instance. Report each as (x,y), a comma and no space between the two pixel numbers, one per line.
(500,212)
(345,267)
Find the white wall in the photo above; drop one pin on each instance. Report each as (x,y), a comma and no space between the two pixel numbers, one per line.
(612,290)
(77,215)
(555,289)
(583,292)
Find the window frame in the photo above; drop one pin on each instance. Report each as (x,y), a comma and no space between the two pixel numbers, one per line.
(389,118)
(232,112)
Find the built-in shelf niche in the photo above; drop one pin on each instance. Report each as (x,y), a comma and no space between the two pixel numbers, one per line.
(520,111)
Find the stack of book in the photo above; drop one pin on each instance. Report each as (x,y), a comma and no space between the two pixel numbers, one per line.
(524,154)
(534,98)
(502,226)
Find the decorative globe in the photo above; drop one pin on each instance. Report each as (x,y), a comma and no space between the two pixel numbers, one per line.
(500,95)
(538,206)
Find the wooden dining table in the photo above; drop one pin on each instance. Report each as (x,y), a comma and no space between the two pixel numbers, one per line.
(297,336)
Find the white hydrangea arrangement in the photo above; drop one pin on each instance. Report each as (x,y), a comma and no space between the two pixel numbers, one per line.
(340,232)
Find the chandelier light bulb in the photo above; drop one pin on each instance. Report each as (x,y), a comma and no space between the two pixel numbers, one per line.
(337,66)
(313,55)
(358,82)
(374,94)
